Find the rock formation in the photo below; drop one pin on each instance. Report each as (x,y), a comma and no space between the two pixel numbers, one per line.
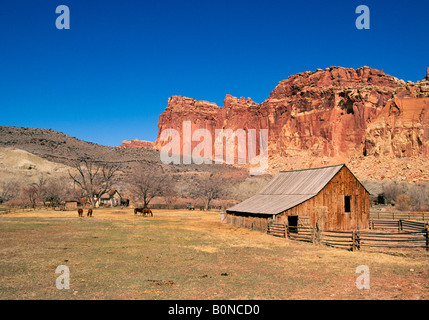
(401,130)
(136,143)
(320,117)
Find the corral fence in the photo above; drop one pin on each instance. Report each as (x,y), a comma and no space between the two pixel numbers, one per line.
(400,225)
(399,215)
(354,240)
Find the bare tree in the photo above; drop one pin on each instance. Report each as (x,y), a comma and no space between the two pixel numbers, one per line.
(31,194)
(9,190)
(144,185)
(54,192)
(94,179)
(170,193)
(209,188)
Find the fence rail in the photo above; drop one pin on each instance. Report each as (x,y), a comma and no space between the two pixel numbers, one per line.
(397,215)
(277,229)
(400,225)
(393,240)
(301,233)
(337,238)
(418,237)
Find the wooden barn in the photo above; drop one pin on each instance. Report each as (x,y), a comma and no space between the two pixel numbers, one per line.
(331,197)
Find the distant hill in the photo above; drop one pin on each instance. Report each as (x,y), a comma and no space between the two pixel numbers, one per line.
(61,148)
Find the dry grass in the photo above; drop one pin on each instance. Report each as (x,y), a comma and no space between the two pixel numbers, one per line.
(187,255)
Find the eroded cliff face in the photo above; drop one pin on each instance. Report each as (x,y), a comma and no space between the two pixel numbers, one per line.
(325,113)
(320,117)
(401,130)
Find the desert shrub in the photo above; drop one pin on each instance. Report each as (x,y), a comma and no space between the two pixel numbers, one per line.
(391,192)
(403,202)
(248,187)
(418,197)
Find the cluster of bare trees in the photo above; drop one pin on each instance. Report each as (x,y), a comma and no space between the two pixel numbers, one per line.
(405,196)
(89,180)
(45,191)
(144,185)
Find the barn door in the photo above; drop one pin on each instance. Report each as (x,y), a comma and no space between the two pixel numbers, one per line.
(293,223)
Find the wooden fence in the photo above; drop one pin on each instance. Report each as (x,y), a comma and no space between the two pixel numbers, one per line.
(301,233)
(400,225)
(394,239)
(399,215)
(277,229)
(341,239)
(355,240)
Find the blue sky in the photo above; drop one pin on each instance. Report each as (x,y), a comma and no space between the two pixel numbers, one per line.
(109,77)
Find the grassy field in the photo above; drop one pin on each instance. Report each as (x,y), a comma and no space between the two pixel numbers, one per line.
(179,254)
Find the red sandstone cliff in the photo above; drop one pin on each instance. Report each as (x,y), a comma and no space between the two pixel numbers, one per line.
(401,129)
(319,117)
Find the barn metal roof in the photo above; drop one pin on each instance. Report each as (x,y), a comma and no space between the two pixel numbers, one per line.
(287,190)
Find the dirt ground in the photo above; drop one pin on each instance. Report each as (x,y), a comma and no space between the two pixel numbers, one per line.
(180,254)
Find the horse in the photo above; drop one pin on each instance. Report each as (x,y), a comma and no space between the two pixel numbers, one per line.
(147,211)
(143,211)
(89,214)
(80,212)
(136,210)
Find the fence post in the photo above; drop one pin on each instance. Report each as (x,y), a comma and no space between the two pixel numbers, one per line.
(399,225)
(353,240)
(357,240)
(427,238)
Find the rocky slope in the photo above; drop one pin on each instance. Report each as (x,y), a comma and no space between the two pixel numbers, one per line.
(60,148)
(357,116)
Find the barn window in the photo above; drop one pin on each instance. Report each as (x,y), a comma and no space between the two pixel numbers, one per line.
(347,207)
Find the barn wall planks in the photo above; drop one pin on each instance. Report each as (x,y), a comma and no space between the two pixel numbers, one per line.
(253,222)
(328,207)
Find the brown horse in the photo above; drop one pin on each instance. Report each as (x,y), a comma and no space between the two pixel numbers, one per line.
(80,212)
(136,210)
(143,211)
(147,212)
(89,214)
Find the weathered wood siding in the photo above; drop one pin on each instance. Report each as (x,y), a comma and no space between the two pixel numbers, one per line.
(253,222)
(328,207)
